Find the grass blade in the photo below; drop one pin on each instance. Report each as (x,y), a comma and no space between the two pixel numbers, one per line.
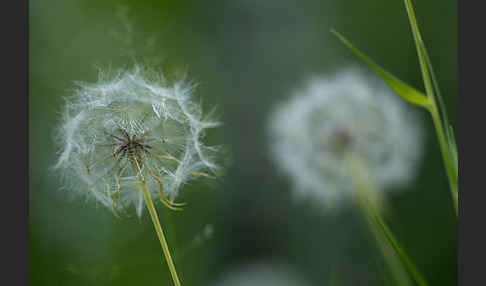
(420,50)
(442,108)
(371,205)
(449,132)
(438,114)
(404,90)
(401,253)
(453,149)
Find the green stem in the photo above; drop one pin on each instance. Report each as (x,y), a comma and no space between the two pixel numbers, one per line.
(160,233)
(171,236)
(401,253)
(429,89)
(446,155)
(393,261)
(370,205)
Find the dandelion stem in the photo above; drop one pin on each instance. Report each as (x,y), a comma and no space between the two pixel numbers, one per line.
(401,253)
(370,205)
(160,233)
(396,269)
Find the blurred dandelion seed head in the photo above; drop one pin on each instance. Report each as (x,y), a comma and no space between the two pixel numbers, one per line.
(350,113)
(133,126)
(262,274)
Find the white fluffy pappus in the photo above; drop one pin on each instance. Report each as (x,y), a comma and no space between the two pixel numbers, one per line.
(264,273)
(349,113)
(129,126)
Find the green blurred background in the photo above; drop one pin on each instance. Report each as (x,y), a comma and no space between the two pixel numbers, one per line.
(246,55)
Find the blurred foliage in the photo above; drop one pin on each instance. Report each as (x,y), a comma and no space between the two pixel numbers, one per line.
(245,55)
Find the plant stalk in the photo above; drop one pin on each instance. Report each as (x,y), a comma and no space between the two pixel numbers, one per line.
(160,233)
(370,205)
(434,111)
(448,162)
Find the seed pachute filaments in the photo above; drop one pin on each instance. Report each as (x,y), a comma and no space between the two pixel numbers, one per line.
(130,128)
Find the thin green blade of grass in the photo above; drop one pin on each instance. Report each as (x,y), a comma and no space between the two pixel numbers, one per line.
(428,73)
(401,253)
(453,148)
(445,119)
(419,44)
(440,99)
(371,205)
(430,82)
(396,268)
(402,89)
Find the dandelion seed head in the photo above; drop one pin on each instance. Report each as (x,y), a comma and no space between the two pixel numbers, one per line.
(132,126)
(350,113)
(264,273)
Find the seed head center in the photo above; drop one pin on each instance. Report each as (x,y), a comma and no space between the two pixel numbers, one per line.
(131,146)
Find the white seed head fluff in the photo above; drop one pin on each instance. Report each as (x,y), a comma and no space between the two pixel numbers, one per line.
(263,273)
(347,113)
(129,126)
